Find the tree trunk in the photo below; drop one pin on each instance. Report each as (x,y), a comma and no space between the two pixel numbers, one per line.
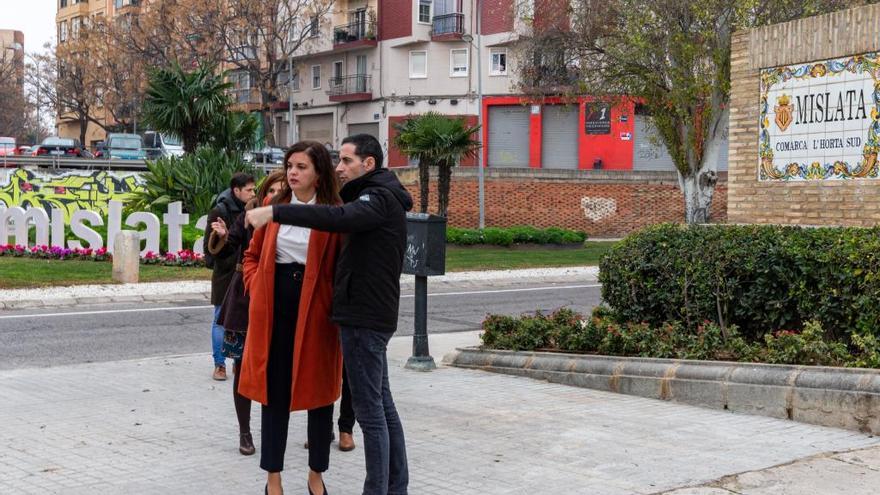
(190,140)
(268,122)
(83,127)
(443,184)
(698,190)
(424,182)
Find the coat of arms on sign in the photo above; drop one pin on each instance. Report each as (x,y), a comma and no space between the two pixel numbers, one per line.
(783,112)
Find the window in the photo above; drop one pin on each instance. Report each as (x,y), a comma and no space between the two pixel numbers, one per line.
(425,11)
(62,32)
(418,64)
(241,86)
(314,27)
(337,73)
(296,80)
(74,27)
(316,77)
(458,62)
(498,63)
(62,4)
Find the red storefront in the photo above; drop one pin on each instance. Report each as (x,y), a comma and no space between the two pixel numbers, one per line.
(558,133)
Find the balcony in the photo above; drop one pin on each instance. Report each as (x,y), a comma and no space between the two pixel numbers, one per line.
(447,27)
(350,88)
(355,35)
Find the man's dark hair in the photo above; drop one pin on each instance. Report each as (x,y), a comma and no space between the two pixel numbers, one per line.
(241,179)
(366,145)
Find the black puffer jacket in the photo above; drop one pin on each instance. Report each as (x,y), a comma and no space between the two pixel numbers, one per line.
(229,208)
(367,282)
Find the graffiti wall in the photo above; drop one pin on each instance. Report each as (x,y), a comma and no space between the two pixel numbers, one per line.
(68,191)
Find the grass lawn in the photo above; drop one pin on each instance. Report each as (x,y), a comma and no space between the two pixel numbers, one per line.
(460,258)
(25,272)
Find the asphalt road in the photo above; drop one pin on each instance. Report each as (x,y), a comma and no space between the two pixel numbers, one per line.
(52,337)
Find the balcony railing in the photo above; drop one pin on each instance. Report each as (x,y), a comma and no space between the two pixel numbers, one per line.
(350,86)
(447,24)
(356,31)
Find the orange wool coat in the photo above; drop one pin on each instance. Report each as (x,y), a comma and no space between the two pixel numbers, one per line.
(317,356)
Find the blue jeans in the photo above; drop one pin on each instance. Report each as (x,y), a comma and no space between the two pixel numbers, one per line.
(217,339)
(366,366)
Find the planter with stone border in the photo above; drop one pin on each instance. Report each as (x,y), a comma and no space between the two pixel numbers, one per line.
(838,397)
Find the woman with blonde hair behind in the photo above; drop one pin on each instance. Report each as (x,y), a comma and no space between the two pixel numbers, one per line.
(224,241)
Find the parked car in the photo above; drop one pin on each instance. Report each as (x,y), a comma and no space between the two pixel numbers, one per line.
(7,146)
(25,150)
(58,146)
(125,147)
(266,155)
(158,145)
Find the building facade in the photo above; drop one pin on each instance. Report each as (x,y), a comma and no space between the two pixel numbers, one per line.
(12,52)
(374,63)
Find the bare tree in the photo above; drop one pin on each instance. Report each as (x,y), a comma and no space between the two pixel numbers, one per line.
(14,108)
(60,76)
(259,38)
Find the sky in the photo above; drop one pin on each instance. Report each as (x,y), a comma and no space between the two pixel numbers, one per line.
(35,18)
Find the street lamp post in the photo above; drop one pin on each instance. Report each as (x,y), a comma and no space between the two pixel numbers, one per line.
(290,100)
(481,192)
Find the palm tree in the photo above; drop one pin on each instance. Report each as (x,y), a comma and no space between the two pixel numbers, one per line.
(436,140)
(186,104)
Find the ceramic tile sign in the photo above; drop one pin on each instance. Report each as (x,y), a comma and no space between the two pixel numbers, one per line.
(819,121)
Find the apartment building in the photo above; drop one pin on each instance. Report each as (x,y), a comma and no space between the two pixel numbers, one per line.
(12,50)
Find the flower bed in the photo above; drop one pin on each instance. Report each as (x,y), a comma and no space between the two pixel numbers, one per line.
(185,257)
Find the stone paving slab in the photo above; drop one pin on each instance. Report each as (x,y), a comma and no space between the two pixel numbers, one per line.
(161,425)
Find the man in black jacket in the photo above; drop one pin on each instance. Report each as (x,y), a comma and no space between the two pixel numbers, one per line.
(230,204)
(366,295)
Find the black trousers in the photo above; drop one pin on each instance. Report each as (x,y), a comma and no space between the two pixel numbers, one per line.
(276,415)
(346,411)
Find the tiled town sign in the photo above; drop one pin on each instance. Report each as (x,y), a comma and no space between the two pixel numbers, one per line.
(819,121)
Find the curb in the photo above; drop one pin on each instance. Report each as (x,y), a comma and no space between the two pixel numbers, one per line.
(66,296)
(73,301)
(846,398)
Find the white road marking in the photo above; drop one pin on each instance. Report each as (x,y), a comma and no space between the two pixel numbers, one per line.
(179,308)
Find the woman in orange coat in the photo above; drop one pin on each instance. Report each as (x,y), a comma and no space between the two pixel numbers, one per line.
(292,359)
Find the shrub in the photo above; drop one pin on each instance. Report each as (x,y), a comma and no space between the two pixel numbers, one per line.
(758,278)
(565,330)
(506,236)
(497,237)
(194,179)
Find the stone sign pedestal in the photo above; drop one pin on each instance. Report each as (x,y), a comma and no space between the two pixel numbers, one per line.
(126,257)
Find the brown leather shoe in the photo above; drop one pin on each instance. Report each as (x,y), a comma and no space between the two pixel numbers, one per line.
(246,444)
(346,442)
(219,373)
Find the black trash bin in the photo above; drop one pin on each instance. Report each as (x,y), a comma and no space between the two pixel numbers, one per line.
(425,245)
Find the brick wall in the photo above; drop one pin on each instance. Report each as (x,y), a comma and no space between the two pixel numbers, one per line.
(395,18)
(814,202)
(617,202)
(497,16)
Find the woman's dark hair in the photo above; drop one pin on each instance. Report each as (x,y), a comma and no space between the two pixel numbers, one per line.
(328,185)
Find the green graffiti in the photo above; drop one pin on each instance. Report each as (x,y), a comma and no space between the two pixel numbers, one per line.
(87,190)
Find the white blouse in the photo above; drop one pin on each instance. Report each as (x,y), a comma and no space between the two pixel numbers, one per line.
(293,242)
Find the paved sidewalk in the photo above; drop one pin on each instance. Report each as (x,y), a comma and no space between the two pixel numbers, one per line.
(201,289)
(162,426)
